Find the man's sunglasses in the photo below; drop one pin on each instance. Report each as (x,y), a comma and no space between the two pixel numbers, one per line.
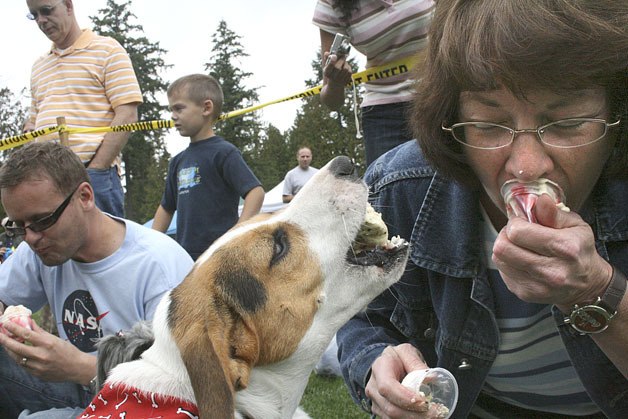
(43,11)
(41,224)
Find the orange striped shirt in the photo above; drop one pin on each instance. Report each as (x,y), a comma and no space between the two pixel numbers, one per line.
(83,83)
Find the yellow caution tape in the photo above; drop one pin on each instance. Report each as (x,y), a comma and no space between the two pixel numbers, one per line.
(394,68)
(22,139)
(375,73)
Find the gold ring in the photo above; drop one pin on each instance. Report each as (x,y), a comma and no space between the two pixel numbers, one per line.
(24,361)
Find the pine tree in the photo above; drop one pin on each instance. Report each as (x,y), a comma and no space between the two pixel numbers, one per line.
(225,65)
(12,113)
(272,158)
(12,117)
(145,157)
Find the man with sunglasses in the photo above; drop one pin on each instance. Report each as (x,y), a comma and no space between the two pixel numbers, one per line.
(98,273)
(103,92)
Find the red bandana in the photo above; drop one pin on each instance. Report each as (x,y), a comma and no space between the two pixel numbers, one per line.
(122,402)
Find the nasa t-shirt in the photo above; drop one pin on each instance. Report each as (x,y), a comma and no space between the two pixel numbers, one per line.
(90,300)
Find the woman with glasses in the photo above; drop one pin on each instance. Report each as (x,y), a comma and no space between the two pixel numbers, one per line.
(529,315)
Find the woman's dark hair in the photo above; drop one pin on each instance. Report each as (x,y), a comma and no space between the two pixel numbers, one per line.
(346,7)
(523,45)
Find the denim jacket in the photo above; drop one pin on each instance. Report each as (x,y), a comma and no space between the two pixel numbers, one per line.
(443,304)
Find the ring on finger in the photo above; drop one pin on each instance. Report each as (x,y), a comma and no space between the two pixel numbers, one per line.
(24,361)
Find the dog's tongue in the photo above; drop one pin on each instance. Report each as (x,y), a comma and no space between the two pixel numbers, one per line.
(520,197)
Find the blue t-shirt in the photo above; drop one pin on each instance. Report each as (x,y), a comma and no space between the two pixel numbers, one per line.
(204,185)
(92,300)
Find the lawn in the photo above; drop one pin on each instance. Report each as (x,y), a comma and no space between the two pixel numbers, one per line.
(328,398)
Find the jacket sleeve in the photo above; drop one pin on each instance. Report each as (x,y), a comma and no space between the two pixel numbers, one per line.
(403,313)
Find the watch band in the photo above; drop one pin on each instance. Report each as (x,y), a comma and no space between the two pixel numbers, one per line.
(595,317)
(615,292)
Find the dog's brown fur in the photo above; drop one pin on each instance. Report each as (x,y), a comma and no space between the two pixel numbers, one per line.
(237,313)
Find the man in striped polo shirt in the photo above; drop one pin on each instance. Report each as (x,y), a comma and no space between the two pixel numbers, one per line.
(88,79)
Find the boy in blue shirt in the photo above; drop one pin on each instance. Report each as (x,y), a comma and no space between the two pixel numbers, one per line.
(206,180)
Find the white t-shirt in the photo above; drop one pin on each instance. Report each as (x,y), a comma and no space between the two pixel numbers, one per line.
(296,178)
(91,300)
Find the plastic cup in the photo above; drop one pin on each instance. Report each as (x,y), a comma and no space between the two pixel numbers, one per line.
(439,388)
(520,197)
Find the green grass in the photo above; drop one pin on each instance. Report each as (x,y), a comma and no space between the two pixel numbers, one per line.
(328,398)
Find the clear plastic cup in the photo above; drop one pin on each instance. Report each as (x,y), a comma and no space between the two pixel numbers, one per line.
(520,197)
(438,386)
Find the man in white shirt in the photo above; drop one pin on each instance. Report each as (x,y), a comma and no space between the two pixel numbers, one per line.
(297,177)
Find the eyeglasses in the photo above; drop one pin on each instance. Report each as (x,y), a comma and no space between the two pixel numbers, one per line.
(566,133)
(41,224)
(44,11)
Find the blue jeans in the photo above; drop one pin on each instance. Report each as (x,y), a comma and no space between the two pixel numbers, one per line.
(108,190)
(20,390)
(384,127)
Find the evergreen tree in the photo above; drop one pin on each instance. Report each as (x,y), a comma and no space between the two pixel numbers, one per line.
(12,113)
(225,65)
(272,158)
(12,117)
(145,157)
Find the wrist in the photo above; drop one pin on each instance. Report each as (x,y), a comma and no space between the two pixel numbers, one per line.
(601,282)
(595,317)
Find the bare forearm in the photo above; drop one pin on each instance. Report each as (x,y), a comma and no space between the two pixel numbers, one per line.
(332,94)
(111,146)
(162,220)
(252,203)
(114,142)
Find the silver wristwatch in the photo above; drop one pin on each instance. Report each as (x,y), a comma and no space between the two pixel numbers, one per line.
(595,317)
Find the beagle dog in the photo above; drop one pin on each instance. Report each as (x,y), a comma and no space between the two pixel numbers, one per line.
(241,334)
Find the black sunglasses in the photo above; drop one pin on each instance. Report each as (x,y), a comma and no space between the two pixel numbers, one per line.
(41,224)
(44,11)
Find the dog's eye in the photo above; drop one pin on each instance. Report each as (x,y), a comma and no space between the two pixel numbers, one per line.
(280,246)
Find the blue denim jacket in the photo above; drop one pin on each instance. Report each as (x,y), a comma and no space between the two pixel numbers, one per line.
(443,304)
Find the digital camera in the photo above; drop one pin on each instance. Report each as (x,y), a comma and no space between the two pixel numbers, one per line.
(340,47)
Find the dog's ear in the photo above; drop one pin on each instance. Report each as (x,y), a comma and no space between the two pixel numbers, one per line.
(213,392)
(216,335)
(239,296)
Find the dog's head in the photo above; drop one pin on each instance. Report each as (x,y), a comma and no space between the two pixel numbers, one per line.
(258,292)
(124,346)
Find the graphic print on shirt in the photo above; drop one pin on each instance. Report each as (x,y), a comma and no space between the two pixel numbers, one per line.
(187,178)
(81,320)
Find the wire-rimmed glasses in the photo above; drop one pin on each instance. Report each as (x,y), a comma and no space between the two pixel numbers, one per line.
(565,133)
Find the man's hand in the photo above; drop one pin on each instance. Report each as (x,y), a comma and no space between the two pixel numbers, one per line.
(388,397)
(553,262)
(48,357)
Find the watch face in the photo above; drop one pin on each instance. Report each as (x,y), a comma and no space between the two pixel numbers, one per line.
(589,319)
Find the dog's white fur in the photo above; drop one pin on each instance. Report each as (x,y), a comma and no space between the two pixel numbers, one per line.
(330,209)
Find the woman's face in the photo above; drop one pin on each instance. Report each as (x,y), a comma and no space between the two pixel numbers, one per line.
(576,170)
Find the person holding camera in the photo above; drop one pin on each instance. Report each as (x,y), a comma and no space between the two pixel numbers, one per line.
(384,31)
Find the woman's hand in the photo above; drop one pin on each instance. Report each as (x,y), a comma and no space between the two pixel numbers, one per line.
(553,262)
(388,397)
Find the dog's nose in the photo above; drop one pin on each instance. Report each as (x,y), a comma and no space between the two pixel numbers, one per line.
(342,166)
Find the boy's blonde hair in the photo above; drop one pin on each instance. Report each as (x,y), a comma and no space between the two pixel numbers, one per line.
(198,88)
